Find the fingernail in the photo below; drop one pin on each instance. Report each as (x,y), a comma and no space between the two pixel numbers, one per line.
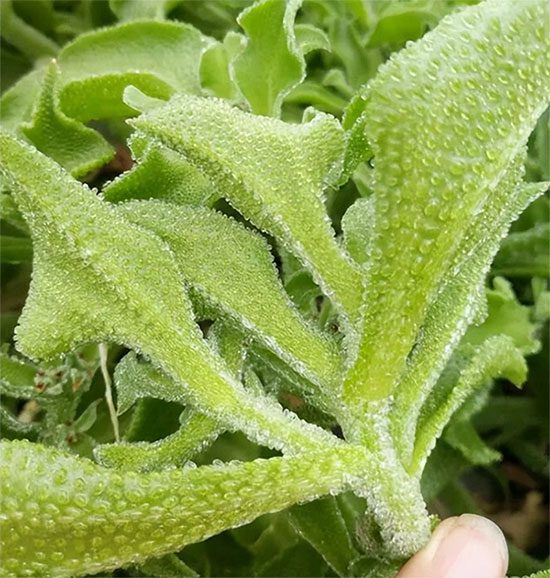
(468,547)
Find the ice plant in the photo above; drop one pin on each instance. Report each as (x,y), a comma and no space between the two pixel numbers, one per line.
(444,122)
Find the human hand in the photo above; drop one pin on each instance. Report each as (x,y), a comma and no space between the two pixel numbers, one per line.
(467,546)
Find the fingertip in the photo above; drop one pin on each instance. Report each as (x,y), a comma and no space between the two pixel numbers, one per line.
(467,546)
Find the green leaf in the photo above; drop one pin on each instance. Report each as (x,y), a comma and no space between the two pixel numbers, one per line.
(322,525)
(439,162)
(297,560)
(503,410)
(538,166)
(311,93)
(215,68)
(30,41)
(196,434)
(77,148)
(271,63)
(169,566)
(239,277)
(17,103)
(15,249)
(357,226)
(303,292)
(16,377)
(161,174)
(10,213)
(95,278)
(348,44)
(310,38)
(38,13)
(506,316)
(272,172)
(11,423)
(457,305)
(463,437)
(141,53)
(399,23)
(14,66)
(87,418)
(496,357)
(144,424)
(532,455)
(142,515)
(136,379)
(137,9)
(521,564)
(444,465)
(541,295)
(525,253)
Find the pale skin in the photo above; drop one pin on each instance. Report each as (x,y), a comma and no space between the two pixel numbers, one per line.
(466,546)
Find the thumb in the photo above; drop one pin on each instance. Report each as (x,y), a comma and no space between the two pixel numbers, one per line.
(468,546)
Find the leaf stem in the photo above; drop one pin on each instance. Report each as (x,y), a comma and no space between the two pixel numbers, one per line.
(103,351)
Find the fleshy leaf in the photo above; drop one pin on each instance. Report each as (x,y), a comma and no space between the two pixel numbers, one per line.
(525,253)
(11,215)
(458,303)
(497,357)
(463,437)
(197,432)
(136,379)
(215,69)
(357,226)
(16,377)
(24,37)
(239,276)
(399,23)
(141,53)
(95,279)
(138,9)
(77,148)
(505,316)
(17,103)
(358,149)
(160,174)
(322,525)
(271,63)
(169,566)
(435,172)
(272,172)
(231,344)
(311,38)
(121,519)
